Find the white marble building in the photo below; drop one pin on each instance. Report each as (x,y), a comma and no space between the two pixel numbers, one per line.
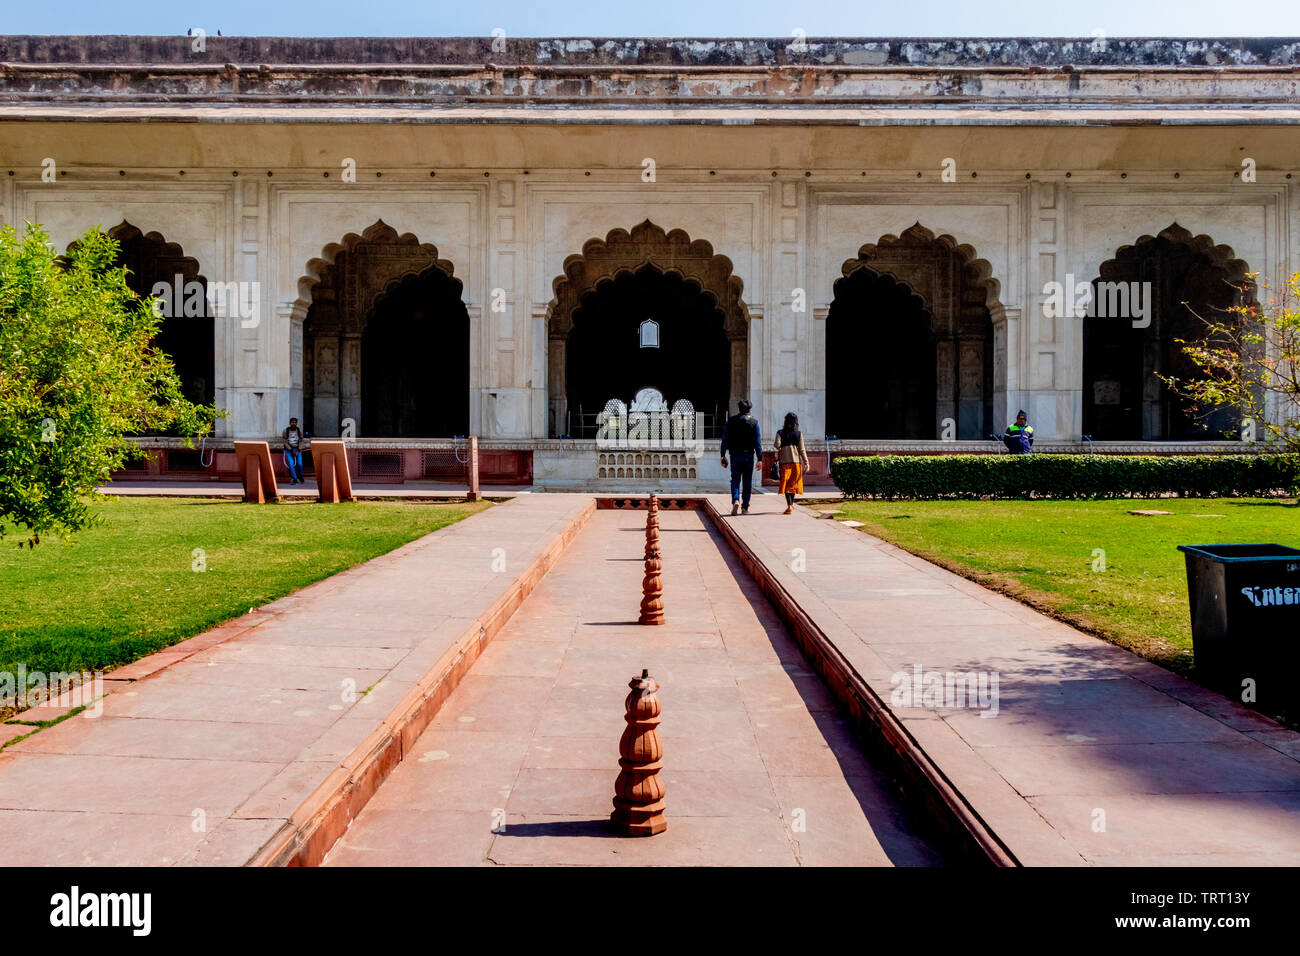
(443,238)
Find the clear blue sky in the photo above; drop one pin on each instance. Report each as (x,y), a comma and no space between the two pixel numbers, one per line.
(658,18)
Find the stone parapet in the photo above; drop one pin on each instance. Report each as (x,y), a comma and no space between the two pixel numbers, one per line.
(660,52)
(630,76)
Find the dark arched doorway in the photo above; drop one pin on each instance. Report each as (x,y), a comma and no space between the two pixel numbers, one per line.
(615,283)
(606,358)
(880,372)
(385,341)
(186,331)
(1184,280)
(415,360)
(910,344)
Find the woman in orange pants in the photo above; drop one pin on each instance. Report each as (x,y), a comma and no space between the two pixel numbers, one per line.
(792,458)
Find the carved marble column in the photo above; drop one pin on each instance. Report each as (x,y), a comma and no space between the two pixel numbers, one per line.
(325,392)
(350,380)
(558,399)
(970,389)
(945,379)
(1153,405)
(739,372)
(1000,365)
(288,314)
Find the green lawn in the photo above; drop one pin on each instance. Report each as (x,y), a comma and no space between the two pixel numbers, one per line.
(128,587)
(1042,553)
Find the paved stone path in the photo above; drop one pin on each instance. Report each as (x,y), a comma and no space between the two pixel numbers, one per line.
(208,752)
(1095,755)
(204,751)
(759,769)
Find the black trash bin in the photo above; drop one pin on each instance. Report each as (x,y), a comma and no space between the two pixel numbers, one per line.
(1245,602)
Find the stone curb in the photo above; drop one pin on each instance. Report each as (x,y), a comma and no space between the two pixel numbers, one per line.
(136,671)
(327,813)
(970,837)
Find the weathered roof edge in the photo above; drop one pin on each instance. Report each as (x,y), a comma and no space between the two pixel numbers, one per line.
(737,117)
(664,52)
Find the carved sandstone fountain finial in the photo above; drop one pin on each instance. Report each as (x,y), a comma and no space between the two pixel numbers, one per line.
(652,585)
(638,791)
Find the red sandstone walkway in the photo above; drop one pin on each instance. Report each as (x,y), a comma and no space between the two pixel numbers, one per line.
(1095,755)
(519,766)
(207,759)
(209,752)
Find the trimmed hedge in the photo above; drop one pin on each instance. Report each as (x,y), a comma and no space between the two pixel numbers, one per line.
(1066,476)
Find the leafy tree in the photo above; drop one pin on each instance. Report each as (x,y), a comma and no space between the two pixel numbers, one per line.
(1249,360)
(78,374)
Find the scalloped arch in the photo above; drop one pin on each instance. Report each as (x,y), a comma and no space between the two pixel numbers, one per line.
(977,271)
(860,267)
(393,285)
(1220,254)
(126,231)
(646,244)
(378,232)
(693,281)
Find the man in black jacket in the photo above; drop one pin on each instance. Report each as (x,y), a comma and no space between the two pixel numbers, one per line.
(740,437)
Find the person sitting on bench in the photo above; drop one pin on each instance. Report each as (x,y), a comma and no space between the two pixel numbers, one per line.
(293,439)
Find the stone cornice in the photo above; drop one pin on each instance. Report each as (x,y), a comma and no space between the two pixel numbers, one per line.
(349,79)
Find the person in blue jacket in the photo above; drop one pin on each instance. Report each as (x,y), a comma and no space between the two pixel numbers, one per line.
(740,437)
(1019,438)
